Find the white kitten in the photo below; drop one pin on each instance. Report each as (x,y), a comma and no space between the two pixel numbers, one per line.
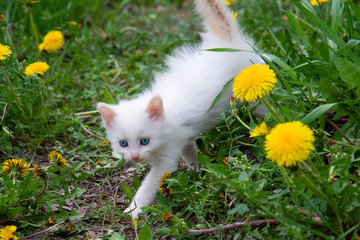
(160,125)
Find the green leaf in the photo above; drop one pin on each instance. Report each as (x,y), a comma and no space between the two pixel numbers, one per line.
(14,211)
(349,72)
(335,10)
(226,86)
(162,202)
(116,236)
(145,233)
(325,29)
(78,192)
(226,50)
(317,112)
(108,97)
(126,189)
(296,28)
(217,169)
(136,181)
(239,208)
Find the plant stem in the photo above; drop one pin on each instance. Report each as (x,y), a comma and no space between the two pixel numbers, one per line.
(6,31)
(12,89)
(233,225)
(267,105)
(86,113)
(33,26)
(241,121)
(325,197)
(313,167)
(287,178)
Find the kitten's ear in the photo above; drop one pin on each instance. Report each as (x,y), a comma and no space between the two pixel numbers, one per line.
(107,114)
(155,108)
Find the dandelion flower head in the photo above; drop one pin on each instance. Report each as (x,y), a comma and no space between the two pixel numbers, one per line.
(104,143)
(261,130)
(316,2)
(167,216)
(53,40)
(7,233)
(37,171)
(234,15)
(4,51)
(50,220)
(162,187)
(15,167)
(289,143)
(37,67)
(254,82)
(56,159)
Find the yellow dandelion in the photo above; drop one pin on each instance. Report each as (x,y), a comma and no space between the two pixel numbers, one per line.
(56,159)
(73,23)
(227,2)
(70,228)
(50,220)
(254,82)
(7,233)
(4,51)
(289,143)
(261,130)
(103,143)
(167,216)
(234,15)
(2,19)
(37,171)
(162,187)
(15,167)
(136,222)
(31,2)
(37,67)
(53,40)
(316,2)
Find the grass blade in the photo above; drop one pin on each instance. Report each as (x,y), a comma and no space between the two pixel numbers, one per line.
(317,112)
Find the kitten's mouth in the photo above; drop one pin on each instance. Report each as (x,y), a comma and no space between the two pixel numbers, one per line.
(138,160)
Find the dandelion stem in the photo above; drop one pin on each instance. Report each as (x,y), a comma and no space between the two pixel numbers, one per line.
(267,105)
(86,113)
(313,167)
(12,89)
(287,178)
(241,121)
(316,190)
(6,31)
(33,27)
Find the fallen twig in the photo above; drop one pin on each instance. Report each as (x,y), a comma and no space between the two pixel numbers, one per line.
(12,156)
(3,116)
(44,231)
(341,132)
(233,225)
(88,131)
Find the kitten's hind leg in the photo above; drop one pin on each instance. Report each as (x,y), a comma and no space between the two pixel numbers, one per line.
(190,155)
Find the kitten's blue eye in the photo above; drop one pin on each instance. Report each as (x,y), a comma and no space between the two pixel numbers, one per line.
(144,141)
(123,143)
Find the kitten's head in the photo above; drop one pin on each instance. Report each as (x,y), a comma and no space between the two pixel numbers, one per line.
(134,128)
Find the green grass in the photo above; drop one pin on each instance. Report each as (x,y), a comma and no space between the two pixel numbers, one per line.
(110,54)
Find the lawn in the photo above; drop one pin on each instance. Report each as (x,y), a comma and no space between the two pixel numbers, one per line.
(60,179)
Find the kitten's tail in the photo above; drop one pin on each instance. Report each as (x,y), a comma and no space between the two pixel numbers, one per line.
(218,19)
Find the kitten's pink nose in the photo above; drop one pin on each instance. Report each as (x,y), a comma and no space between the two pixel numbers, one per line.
(135,156)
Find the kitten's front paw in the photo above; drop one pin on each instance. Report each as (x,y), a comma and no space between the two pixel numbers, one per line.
(133,211)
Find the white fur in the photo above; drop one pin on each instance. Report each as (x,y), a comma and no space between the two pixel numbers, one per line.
(188,87)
